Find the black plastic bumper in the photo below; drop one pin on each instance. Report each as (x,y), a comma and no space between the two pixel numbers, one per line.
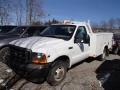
(33,72)
(20,60)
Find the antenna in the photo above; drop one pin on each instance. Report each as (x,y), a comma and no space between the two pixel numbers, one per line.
(88,21)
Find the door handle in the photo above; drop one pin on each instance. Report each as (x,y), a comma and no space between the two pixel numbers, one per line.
(70,48)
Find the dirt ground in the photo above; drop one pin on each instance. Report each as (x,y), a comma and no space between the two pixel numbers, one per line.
(87,75)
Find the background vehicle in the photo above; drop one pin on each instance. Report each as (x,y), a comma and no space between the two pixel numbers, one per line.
(57,48)
(16,33)
(5,29)
(116,43)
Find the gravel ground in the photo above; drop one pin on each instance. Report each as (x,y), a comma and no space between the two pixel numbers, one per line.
(87,75)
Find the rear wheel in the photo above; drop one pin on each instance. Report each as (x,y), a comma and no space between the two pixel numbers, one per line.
(104,55)
(57,73)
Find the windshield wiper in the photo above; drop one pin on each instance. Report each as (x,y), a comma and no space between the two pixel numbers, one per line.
(51,36)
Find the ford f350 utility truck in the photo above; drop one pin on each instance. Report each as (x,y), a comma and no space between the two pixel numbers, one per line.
(58,47)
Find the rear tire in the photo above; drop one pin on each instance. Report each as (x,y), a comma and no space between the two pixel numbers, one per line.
(104,55)
(57,73)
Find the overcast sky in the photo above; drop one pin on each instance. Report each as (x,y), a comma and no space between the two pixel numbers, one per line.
(94,10)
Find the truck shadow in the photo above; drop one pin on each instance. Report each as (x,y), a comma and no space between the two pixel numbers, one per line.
(108,73)
(88,60)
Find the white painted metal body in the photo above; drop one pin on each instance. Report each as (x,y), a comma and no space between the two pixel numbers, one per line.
(55,47)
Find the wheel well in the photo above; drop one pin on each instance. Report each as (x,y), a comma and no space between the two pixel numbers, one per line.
(64,59)
(106,48)
(3,47)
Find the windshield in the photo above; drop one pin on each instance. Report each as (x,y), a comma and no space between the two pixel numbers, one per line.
(17,31)
(59,31)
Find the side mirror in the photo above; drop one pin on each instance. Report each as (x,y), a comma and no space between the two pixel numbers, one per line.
(78,40)
(82,40)
(87,40)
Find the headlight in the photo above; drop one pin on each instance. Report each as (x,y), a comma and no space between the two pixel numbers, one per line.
(39,58)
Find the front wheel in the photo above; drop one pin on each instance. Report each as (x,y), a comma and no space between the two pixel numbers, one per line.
(57,73)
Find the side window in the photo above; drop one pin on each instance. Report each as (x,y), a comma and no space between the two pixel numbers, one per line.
(81,32)
(81,35)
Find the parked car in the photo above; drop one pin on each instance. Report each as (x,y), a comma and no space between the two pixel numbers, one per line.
(17,33)
(116,43)
(57,48)
(5,29)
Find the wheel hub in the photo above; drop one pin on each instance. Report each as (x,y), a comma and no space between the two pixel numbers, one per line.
(59,74)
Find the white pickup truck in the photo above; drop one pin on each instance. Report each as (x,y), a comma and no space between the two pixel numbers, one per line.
(58,47)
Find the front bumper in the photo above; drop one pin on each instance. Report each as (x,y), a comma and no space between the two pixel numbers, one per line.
(20,60)
(32,72)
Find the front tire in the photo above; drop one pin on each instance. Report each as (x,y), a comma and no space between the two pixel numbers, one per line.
(57,73)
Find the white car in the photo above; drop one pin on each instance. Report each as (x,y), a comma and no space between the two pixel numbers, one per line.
(58,47)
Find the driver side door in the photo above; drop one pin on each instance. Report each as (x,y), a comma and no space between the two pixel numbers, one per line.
(81,45)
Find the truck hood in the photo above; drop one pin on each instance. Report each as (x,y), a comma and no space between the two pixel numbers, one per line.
(35,43)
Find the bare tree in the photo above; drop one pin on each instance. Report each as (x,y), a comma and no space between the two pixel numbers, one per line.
(18,8)
(4,16)
(33,11)
(52,21)
(111,23)
(20,11)
(103,24)
(118,23)
(1,15)
(4,13)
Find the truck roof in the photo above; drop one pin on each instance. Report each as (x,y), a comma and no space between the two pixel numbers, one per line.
(77,23)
